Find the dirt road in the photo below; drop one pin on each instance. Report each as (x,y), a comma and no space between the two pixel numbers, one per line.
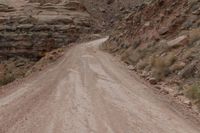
(87,91)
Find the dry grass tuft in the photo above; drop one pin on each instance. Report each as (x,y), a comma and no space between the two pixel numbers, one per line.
(193,92)
(161,65)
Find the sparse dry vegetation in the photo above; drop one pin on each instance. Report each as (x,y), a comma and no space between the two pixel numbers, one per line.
(161,65)
(193,92)
(7,79)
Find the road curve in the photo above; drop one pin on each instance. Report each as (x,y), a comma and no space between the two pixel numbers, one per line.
(87,91)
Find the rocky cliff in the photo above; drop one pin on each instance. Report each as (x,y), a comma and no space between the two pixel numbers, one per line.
(161,41)
(28,32)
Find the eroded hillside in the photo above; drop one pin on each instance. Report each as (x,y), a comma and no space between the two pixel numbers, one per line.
(161,41)
(109,12)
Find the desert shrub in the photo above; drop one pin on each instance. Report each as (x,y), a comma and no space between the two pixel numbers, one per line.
(170,59)
(159,68)
(194,35)
(161,65)
(193,92)
(7,79)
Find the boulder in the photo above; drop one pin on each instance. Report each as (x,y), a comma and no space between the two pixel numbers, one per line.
(130,67)
(163,30)
(153,81)
(180,41)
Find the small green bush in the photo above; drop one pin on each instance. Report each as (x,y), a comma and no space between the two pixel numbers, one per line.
(7,79)
(193,92)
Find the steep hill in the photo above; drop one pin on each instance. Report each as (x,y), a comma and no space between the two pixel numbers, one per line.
(161,41)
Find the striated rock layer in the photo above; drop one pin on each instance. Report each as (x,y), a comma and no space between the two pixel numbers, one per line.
(29,30)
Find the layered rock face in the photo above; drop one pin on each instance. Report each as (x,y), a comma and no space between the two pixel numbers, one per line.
(108,12)
(40,28)
(6,8)
(45,1)
(29,30)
